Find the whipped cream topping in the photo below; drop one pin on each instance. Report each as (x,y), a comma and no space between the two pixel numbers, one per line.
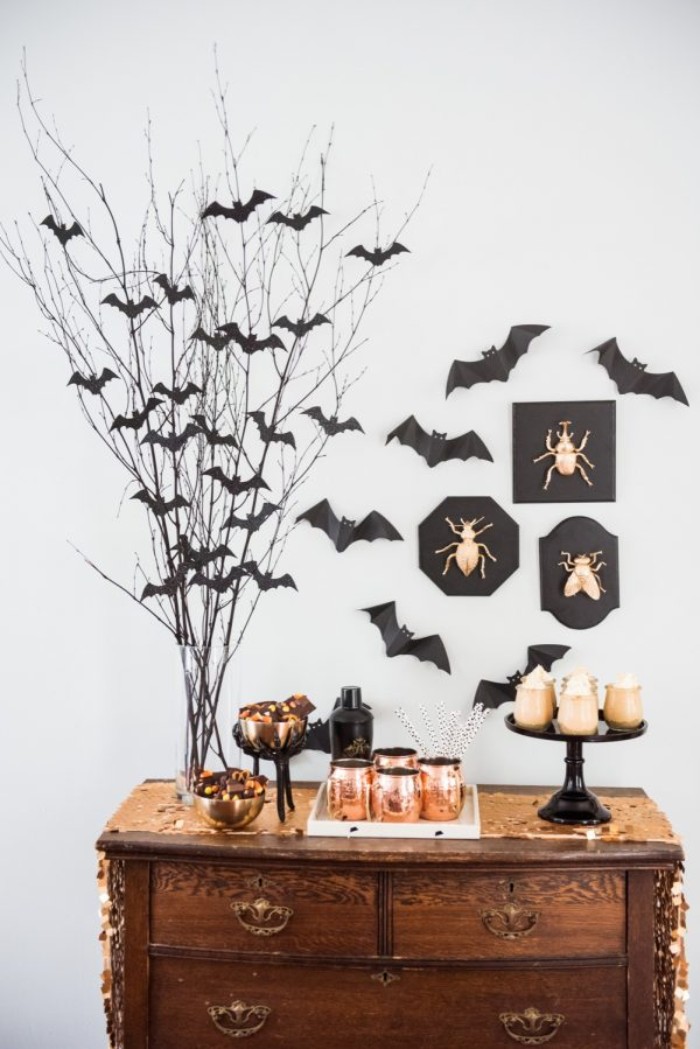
(626,681)
(537,678)
(579,683)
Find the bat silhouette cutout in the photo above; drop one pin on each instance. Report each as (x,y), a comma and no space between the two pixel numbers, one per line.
(379,256)
(332,426)
(399,641)
(632,376)
(174,441)
(131,309)
(300,328)
(238,211)
(495,364)
(250,343)
(234,484)
(268,433)
(172,293)
(167,588)
(298,220)
(193,558)
(223,582)
(63,232)
(494,693)
(217,342)
(177,395)
(212,434)
(136,420)
(159,506)
(266,580)
(436,447)
(92,383)
(252,521)
(342,532)
(318,736)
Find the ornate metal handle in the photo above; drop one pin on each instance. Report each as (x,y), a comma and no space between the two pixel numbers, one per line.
(262,918)
(234,1020)
(510,922)
(531,1027)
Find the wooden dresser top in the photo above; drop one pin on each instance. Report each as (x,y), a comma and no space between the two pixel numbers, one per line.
(152,823)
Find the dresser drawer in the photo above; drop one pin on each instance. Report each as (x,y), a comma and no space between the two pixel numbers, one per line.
(509,916)
(290,910)
(204,1004)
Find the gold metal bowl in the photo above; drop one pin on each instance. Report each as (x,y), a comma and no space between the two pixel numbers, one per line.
(237,813)
(272,735)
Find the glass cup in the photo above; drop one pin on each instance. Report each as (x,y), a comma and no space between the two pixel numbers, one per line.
(578,715)
(442,788)
(623,707)
(348,793)
(395,757)
(534,707)
(396,795)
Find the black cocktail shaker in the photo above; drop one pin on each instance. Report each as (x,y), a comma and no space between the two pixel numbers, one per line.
(351,724)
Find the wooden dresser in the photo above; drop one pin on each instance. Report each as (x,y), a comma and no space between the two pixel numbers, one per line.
(302,943)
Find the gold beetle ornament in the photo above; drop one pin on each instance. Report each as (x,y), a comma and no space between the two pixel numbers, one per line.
(566,454)
(583,574)
(468,553)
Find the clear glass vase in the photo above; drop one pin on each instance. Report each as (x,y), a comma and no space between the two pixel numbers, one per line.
(208,683)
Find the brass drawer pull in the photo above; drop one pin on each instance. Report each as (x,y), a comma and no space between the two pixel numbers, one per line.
(262,918)
(234,1020)
(510,922)
(531,1027)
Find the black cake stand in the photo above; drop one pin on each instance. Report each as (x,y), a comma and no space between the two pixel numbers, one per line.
(574,803)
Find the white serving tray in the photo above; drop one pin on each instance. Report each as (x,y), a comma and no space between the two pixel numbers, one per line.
(467,825)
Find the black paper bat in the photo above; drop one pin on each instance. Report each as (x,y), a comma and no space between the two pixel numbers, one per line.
(632,376)
(332,426)
(223,582)
(172,293)
(343,532)
(379,256)
(177,395)
(297,221)
(192,558)
(398,640)
(268,433)
(92,383)
(64,233)
(318,736)
(493,693)
(300,327)
(217,342)
(136,420)
(436,448)
(251,343)
(131,309)
(159,506)
(212,434)
(174,441)
(167,588)
(253,521)
(234,484)
(266,581)
(495,364)
(238,211)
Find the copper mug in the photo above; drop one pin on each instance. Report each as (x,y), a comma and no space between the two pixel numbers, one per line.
(443,788)
(348,793)
(396,795)
(395,757)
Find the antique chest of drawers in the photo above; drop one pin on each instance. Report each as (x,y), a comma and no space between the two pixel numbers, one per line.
(298,942)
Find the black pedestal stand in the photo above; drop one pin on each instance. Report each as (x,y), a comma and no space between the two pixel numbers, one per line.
(574,803)
(280,757)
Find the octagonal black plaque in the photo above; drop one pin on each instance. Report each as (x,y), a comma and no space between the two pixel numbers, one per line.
(489,550)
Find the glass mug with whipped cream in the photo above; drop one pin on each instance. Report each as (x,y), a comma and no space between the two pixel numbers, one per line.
(535,700)
(623,703)
(578,704)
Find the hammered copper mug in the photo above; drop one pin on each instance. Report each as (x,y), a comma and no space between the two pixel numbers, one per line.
(396,795)
(443,788)
(348,791)
(399,757)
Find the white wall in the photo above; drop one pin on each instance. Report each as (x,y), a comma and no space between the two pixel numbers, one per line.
(565,171)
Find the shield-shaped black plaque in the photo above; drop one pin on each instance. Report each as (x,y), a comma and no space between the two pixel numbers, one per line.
(579,556)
